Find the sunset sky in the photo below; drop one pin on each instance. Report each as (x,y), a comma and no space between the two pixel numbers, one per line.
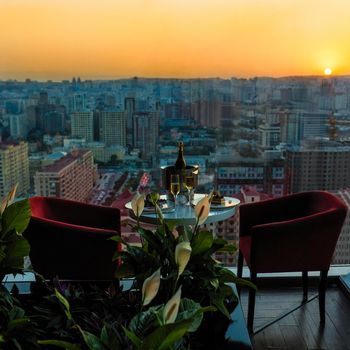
(57,39)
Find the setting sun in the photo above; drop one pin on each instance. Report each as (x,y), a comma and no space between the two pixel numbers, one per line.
(327,71)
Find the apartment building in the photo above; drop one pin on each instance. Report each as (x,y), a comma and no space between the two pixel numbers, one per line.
(82,125)
(71,177)
(263,175)
(113,128)
(342,250)
(324,168)
(14,168)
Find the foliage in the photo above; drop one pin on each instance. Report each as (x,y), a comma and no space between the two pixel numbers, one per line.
(14,218)
(203,278)
(175,277)
(16,328)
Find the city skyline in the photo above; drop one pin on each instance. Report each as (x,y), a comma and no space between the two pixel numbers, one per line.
(107,39)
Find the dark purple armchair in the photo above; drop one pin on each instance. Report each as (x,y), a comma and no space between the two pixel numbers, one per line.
(71,239)
(294,233)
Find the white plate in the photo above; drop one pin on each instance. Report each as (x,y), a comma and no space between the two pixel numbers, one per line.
(165,207)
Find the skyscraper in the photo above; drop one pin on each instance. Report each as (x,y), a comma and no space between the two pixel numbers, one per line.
(82,125)
(14,168)
(146,133)
(113,128)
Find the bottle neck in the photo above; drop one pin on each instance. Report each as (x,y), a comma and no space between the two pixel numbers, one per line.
(180,161)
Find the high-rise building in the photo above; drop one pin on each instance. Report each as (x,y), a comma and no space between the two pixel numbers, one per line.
(298,126)
(71,177)
(146,133)
(129,107)
(14,168)
(324,168)
(263,175)
(113,128)
(342,249)
(82,125)
(77,102)
(18,126)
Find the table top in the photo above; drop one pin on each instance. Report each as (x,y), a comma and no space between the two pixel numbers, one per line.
(185,215)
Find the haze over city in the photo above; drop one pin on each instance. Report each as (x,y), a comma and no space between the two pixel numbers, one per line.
(59,39)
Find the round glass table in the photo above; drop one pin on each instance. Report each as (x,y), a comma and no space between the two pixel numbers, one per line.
(184,214)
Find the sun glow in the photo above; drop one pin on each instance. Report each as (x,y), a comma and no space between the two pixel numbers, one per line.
(328,71)
(59,39)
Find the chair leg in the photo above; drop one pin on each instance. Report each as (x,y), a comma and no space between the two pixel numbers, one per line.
(239,271)
(322,295)
(251,304)
(305,285)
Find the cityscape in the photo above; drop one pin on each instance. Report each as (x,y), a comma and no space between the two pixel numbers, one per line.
(100,141)
(174,174)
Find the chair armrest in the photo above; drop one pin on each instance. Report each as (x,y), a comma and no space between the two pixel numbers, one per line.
(295,244)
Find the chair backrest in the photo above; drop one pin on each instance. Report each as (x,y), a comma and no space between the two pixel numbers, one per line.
(69,251)
(302,242)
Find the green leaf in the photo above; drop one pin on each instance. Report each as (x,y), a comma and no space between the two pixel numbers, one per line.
(228,248)
(92,342)
(60,344)
(118,239)
(215,283)
(151,238)
(64,302)
(188,310)
(15,251)
(219,303)
(244,282)
(202,242)
(164,337)
(16,217)
(16,312)
(144,321)
(18,324)
(104,335)
(134,338)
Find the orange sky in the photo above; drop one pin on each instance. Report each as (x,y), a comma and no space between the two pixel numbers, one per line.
(56,39)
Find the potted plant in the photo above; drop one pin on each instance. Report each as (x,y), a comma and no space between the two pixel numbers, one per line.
(178,288)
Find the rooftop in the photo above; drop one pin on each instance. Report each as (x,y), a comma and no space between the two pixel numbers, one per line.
(65,161)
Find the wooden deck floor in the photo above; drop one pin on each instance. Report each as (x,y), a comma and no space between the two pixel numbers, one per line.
(300,329)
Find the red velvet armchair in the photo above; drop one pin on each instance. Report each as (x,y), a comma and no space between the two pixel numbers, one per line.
(70,239)
(294,233)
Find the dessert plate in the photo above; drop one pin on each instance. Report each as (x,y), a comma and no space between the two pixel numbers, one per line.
(165,207)
(229,203)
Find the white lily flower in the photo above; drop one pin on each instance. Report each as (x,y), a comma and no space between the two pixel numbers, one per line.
(202,209)
(138,204)
(150,287)
(182,256)
(12,194)
(171,308)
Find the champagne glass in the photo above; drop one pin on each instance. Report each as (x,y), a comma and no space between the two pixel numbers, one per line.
(175,186)
(189,183)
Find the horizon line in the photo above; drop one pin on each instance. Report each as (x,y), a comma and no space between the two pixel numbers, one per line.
(42,80)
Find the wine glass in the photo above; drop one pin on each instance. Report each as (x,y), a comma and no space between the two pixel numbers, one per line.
(189,183)
(175,186)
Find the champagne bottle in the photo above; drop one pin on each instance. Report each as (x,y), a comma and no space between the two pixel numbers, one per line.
(180,165)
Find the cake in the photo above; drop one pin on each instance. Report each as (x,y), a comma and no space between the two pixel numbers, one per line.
(217,198)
